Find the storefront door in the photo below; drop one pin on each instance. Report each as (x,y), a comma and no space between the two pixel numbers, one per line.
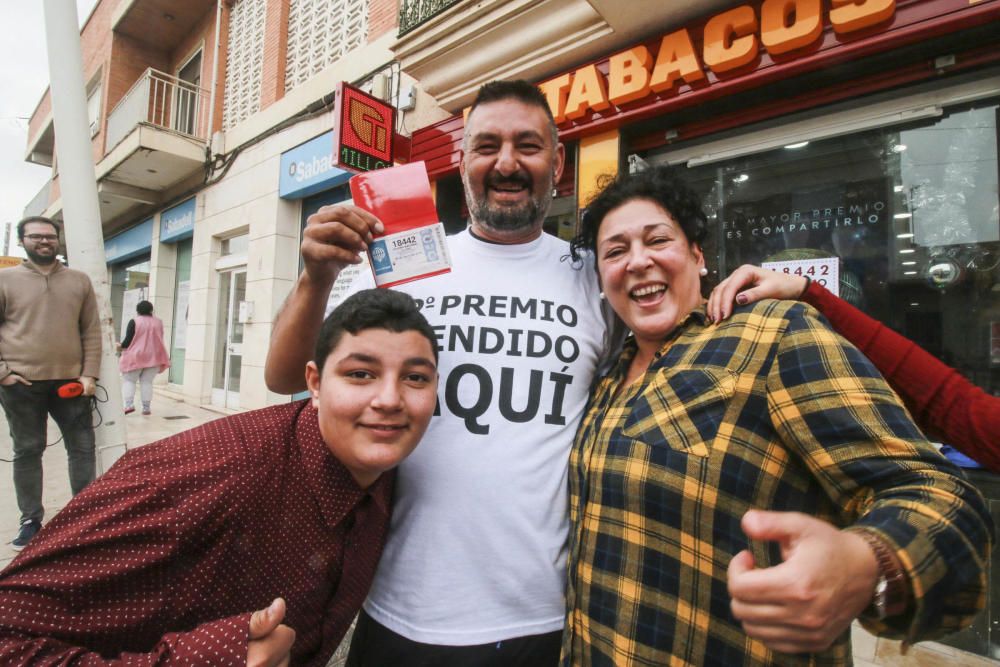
(229,348)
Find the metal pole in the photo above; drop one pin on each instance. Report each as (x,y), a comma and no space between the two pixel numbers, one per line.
(215,78)
(81,209)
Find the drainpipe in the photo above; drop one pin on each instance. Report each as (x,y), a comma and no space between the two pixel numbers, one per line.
(215,75)
(81,208)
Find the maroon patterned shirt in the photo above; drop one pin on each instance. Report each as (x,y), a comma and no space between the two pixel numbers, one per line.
(162,559)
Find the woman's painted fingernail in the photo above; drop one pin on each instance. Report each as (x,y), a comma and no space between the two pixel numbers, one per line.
(741,299)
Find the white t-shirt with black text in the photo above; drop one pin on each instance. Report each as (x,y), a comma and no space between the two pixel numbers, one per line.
(477,544)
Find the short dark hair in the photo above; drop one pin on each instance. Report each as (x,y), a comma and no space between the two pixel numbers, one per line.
(372,309)
(660,185)
(520,90)
(35,218)
(144,308)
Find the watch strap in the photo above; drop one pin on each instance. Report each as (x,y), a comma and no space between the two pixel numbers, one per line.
(891,596)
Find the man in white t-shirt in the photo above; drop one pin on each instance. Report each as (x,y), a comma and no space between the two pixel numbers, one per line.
(473,570)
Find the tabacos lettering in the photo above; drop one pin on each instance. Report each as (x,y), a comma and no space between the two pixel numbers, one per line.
(729,42)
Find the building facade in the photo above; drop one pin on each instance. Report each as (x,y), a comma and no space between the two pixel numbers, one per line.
(211,125)
(853,140)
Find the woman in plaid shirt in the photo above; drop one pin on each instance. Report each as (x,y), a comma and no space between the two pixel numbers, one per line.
(741,492)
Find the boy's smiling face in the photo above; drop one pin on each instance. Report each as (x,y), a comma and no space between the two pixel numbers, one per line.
(375,396)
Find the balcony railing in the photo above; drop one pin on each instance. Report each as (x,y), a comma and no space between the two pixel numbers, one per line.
(40,201)
(413,13)
(162,100)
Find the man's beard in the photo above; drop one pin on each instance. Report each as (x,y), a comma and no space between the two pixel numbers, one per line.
(40,259)
(508,218)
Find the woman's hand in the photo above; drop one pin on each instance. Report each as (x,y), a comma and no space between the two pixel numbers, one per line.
(750,283)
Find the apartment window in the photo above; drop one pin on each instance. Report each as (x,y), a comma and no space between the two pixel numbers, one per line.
(245,60)
(94,104)
(320,32)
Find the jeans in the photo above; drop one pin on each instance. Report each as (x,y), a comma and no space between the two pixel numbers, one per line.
(145,377)
(27,409)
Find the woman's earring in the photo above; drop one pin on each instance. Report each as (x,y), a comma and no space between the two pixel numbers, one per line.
(602,296)
(703,272)
(555,193)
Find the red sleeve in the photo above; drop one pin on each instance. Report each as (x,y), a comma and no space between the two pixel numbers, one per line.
(101,577)
(941,400)
(222,642)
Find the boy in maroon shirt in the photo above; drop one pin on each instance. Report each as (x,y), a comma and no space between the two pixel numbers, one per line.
(282,510)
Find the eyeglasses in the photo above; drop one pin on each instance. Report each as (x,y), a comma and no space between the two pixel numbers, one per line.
(36,238)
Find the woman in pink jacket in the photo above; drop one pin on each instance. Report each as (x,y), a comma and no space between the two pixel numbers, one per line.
(143,356)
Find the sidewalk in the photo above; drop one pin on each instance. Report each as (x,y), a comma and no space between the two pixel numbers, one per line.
(169,416)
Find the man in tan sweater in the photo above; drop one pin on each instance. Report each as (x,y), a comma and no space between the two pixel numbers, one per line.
(50,334)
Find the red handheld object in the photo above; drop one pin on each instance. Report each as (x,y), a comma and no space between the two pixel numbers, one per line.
(70,390)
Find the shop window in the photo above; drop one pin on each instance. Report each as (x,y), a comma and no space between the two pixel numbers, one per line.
(179,325)
(129,286)
(562,218)
(236,245)
(908,215)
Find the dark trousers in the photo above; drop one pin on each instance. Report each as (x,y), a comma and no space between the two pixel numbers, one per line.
(27,408)
(375,645)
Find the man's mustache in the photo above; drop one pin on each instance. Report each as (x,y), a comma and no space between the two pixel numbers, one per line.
(517,178)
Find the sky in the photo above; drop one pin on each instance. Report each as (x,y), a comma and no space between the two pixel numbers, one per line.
(24,77)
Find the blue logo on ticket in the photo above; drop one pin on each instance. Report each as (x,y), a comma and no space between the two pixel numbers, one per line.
(381,263)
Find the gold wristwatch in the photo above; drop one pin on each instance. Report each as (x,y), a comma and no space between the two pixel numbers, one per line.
(890,596)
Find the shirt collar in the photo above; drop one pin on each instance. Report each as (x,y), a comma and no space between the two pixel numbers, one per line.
(332,485)
(696,318)
(31,266)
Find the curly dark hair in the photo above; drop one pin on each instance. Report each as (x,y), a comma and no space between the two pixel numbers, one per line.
(372,309)
(661,185)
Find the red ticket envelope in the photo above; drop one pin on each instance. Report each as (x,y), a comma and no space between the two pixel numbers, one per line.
(413,245)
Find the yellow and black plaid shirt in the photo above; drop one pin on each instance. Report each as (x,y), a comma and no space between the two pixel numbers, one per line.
(768,410)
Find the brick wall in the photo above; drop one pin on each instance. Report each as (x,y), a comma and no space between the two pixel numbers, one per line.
(42,111)
(202,37)
(129,60)
(96,46)
(382,17)
(272,84)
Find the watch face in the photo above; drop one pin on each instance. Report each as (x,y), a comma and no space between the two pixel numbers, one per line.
(879,600)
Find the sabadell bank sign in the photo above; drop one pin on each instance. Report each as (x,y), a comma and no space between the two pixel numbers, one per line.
(310,168)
